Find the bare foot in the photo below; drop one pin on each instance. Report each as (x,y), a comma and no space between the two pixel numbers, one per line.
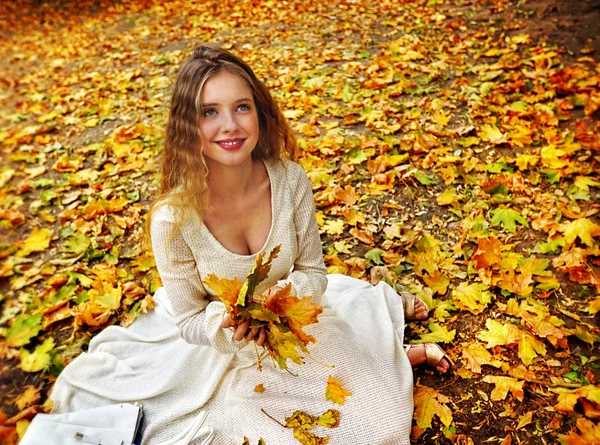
(417,356)
(421,311)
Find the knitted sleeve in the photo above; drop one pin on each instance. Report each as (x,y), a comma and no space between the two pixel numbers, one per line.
(308,276)
(198,319)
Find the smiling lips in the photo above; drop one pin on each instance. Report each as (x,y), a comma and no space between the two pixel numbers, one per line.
(230,144)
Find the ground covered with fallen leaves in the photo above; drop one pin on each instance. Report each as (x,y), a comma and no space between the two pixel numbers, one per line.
(453,149)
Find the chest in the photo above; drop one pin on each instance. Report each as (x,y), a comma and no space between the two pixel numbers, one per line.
(242,225)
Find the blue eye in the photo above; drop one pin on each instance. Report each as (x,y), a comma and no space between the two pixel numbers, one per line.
(209,112)
(244,108)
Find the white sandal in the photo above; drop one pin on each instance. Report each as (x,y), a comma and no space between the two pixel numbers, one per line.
(408,302)
(434,354)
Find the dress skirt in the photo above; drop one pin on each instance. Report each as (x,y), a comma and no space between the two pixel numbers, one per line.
(360,333)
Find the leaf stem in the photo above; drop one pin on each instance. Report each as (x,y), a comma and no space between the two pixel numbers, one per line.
(273,418)
(318,361)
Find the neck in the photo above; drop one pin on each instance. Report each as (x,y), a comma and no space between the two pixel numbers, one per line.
(230,181)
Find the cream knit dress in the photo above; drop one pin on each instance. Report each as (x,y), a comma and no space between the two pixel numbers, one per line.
(177,360)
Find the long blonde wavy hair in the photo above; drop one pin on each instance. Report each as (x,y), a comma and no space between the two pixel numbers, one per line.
(184,172)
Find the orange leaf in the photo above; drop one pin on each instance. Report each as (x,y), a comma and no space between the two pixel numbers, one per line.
(227,290)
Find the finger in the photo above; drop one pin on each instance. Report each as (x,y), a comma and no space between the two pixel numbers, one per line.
(255,331)
(262,336)
(240,331)
(226,323)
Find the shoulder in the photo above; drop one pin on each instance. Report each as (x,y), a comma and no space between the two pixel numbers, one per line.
(290,171)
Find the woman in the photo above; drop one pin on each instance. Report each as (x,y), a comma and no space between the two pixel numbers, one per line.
(229,191)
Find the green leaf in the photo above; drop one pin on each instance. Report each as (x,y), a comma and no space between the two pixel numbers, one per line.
(77,244)
(438,334)
(374,256)
(424,178)
(508,218)
(23,329)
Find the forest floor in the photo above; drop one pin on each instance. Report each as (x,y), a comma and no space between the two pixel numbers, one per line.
(453,148)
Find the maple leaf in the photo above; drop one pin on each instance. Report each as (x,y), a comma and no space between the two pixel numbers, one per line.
(471,297)
(488,252)
(300,419)
(37,241)
(499,334)
(508,219)
(299,312)
(259,272)
(30,397)
(590,434)
(227,290)
(428,403)
(23,329)
(438,334)
(529,348)
(491,134)
(477,355)
(335,392)
(39,359)
(283,344)
(329,419)
(583,228)
(309,438)
(503,386)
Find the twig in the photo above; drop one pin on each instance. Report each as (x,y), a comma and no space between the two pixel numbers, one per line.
(273,418)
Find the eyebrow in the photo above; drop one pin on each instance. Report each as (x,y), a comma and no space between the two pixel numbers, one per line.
(212,104)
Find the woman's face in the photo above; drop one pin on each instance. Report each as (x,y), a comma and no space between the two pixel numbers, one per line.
(229,123)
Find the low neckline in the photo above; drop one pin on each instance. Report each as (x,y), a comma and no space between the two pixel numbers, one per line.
(250,255)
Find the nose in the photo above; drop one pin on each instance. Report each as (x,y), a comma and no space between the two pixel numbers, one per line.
(229,122)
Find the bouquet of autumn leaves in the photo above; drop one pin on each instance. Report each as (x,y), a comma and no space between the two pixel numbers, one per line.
(281,315)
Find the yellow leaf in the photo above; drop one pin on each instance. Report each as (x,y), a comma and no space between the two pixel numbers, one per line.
(22,426)
(498,334)
(477,355)
(308,438)
(449,197)
(590,434)
(300,419)
(491,134)
(91,122)
(335,392)
(257,274)
(334,227)
(525,419)
(583,228)
(471,297)
(594,306)
(39,359)
(31,396)
(529,348)
(428,403)
(227,290)
(105,295)
(503,386)
(283,344)
(439,334)
(260,388)
(38,241)
(82,177)
(329,419)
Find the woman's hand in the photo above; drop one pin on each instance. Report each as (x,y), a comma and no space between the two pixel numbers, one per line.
(242,331)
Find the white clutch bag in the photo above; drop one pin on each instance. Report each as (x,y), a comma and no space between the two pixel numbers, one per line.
(107,425)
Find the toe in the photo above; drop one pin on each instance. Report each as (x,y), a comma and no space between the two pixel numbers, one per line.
(443,366)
